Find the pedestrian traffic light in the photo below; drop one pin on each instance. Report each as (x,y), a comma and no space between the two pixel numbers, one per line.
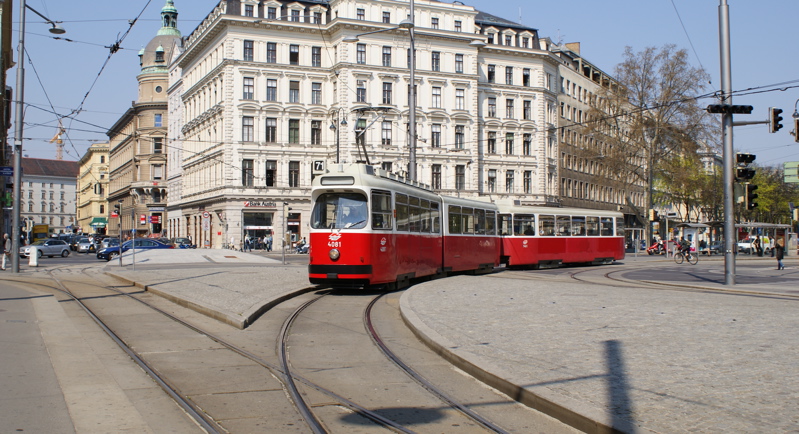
(744,172)
(744,159)
(751,196)
(774,119)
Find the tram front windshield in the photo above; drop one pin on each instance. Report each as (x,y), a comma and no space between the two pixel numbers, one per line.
(340,211)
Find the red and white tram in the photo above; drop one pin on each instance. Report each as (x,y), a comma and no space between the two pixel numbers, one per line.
(536,236)
(369,227)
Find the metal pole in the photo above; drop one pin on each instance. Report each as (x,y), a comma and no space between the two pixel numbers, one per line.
(18,124)
(338,135)
(120,232)
(412,103)
(728,152)
(285,205)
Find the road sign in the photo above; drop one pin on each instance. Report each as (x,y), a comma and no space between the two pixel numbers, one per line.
(114,214)
(143,219)
(206,214)
(6,171)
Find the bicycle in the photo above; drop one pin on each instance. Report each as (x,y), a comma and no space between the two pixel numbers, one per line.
(680,256)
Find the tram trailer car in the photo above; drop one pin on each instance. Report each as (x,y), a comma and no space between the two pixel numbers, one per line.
(370,227)
(538,236)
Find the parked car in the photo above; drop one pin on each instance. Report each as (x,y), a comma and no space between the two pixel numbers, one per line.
(109,242)
(47,246)
(109,253)
(85,246)
(183,243)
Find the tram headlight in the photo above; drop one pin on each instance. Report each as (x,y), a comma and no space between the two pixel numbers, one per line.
(334,254)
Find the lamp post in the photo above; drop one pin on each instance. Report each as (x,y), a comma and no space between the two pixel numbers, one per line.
(334,127)
(18,124)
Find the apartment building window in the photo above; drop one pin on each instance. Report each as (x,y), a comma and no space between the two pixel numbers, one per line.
(460,177)
(361,14)
(158,120)
(387,93)
(316,56)
(317,18)
(249,11)
(360,91)
(527,144)
(386,56)
(526,77)
(316,132)
(433,23)
(386,17)
(248,50)
(525,42)
(158,171)
(385,137)
(158,146)
(294,173)
(271,130)
(271,173)
(271,13)
(247,174)
(435,62)
(492,180)
(44,195)
(508,75)
(360,137)
(460,99)
(435,176)
(271,89)
(295,15)
(490,39)
(294,131)
(460,136)
(436,97)
(361,54)
(492,71)
(527,110)
(459,63)
(509,181)
(492,107)
(30,207)
(435,135)
(271,52)
(509,111)
(458,26)
(528,182)
(294,91)
(294,54)
(509,143)
(508,40)
(62,195)
(316,93)
(249,88)
(30,194)
(247,128)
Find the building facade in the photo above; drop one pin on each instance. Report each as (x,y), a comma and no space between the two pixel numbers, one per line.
(138,140)
(92,190)
(270,93)
(49,194)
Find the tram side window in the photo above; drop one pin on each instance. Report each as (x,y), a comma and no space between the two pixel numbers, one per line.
(524,224)
(491,223)
(564,224)
(415,214)
(546,225)
(381,210)
(455,223)
(578,225)
(435,217)
(592,226)
(424,205)
(479,221)
(607,226)
(468,220)
(505,224)
(403,213)
(619,227)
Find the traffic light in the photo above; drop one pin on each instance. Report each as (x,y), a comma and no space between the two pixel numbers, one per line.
(774,119)
(653,215)
(751,196)
(796,129)
(744,172)
(728,108)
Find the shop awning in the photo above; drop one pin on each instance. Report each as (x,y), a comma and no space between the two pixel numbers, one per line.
(98,222)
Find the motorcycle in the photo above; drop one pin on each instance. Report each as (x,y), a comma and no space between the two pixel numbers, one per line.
(656,248)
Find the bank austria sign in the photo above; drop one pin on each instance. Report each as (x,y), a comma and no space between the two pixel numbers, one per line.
(259,204)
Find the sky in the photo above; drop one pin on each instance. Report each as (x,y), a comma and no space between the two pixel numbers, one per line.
(77,72)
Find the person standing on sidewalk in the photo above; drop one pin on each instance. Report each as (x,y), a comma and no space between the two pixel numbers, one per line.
(780,254)
(6,250)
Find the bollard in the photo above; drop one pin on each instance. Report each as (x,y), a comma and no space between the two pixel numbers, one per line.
(33,259)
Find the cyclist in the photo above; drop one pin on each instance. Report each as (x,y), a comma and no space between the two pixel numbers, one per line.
(685,246)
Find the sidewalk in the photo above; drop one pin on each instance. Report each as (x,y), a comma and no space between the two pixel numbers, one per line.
(670,360)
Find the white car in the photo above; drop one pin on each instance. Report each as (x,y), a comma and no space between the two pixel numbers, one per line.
(50,247)
(86,246)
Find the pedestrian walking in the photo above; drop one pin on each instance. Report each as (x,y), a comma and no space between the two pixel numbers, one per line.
(758,247)
(6,250)
(269,242)
(780,254)
(247,247)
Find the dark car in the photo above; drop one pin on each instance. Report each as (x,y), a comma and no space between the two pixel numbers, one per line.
(111,252)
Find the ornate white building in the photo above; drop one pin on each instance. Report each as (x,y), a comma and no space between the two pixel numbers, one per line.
(269,93)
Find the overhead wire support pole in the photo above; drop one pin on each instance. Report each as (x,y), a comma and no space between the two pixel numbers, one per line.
(18,114)
(412,101)
(728,152)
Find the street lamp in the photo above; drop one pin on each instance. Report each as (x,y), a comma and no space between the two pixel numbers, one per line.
(18,123)
(334,127)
